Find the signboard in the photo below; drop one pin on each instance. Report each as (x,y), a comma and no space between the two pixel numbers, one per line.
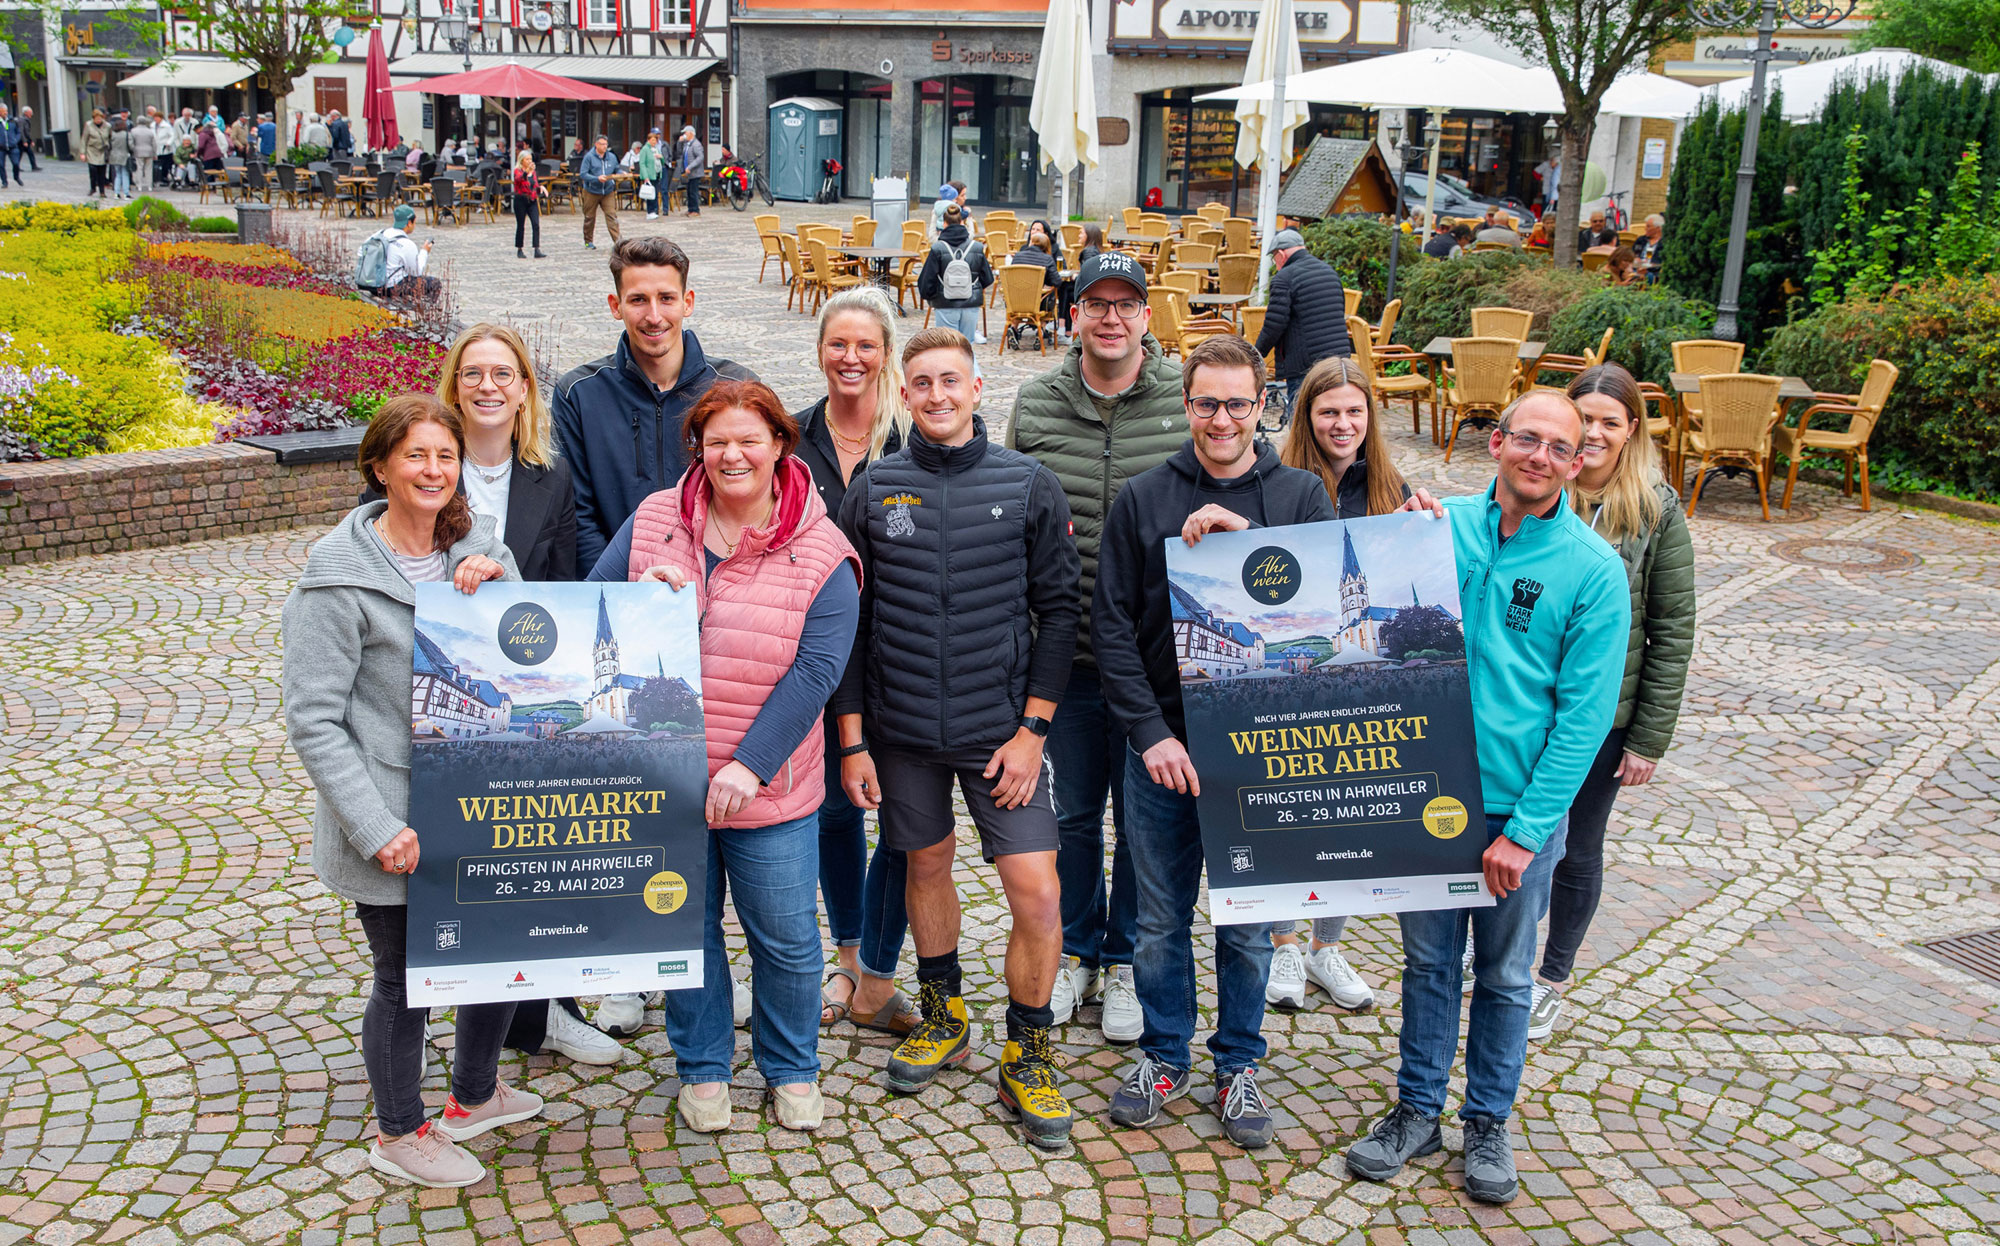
(569,119)
(1329,715)
(1226,26)
(829,125)
(429,121)
(557,776)
(1654,163)
(468,102)
(1709,49)
(714,126)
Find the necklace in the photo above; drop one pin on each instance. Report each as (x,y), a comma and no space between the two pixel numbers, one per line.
(383,529)
(491,475)
(853,445)
(729,546)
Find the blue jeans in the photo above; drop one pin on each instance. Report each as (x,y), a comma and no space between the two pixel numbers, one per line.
(775,869)
(863,896)
(121,180)
(1503,941)
(1088,754)
(1166,864)
(965,320)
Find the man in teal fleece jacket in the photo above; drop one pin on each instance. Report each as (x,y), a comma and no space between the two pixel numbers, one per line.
(1546,613)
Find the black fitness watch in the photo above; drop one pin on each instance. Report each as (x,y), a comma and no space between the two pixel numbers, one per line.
(1040,726)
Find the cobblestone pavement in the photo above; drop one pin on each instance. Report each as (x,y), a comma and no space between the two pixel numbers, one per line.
(1758,1049)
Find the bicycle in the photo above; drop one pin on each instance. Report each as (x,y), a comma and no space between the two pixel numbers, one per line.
(736,178)
(1614,214)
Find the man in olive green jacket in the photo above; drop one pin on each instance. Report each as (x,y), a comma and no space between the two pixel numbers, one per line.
(1110,411)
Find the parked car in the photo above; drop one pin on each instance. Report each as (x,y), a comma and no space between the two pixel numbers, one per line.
(1455,198)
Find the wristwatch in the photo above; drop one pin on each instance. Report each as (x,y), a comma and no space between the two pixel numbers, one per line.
(1040,726)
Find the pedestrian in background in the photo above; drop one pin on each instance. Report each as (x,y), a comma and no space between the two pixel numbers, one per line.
(97,152)
(693,168)
(27,143)
(600,193)
(527,204)
(10,146)
(118,158)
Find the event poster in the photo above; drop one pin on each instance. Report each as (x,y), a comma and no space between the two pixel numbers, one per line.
(557,777)
(1330,718)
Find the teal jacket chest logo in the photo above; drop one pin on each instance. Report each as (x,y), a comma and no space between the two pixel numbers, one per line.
(1521,611)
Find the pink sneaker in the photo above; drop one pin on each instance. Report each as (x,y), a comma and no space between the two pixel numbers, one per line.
(426,1157)
(505,1107)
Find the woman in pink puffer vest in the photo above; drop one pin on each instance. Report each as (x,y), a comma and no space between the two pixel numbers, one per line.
(779,593)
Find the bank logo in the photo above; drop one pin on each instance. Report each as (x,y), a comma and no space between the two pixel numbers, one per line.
(1461,889)
(1522,610)
(447,936)
(1239,860)
(1271,575)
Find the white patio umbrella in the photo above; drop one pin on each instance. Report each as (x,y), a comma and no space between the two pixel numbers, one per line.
(1806,87)
(1434,79)
(1264,126)
(1063,112)
(1649,95)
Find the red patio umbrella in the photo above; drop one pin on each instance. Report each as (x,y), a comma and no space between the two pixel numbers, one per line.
(516,82)
(377,109)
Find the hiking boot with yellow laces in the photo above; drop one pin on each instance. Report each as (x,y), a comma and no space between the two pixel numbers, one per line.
(942,1039)
(1028,1088)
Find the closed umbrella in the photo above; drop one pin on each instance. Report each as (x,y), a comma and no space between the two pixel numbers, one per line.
(378,107)
(1264,126)
(1063,111)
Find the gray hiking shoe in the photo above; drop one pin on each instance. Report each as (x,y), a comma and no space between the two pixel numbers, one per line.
(1489,1161)
(1403,1135)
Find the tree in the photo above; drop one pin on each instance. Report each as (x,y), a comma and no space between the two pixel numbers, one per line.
(1964,32)
(669,700)
(1587,44)
(1422,629)
(284,39)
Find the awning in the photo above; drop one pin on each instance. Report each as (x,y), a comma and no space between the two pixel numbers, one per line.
(652,70)
(191,72)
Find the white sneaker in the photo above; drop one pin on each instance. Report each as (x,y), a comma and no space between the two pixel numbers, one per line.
(621,1015)
(1075,985)
(1465,968)
(1286,987)
(580,1042)
(1545,1008)
(1122,1021)
(979,339)
(652,216)
(740,1001)
(1329,970)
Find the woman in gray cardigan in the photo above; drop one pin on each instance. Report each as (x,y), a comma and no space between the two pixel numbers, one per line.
(349,627)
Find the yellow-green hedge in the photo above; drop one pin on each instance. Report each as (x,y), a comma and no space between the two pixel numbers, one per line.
(61,218)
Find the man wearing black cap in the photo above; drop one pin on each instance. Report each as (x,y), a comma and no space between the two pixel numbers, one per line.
(1307,318)
(1108,412)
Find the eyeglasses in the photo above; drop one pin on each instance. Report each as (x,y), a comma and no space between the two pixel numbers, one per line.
(1528,443)
(866,350)
(1207,408)
(473,378)
(1097,309)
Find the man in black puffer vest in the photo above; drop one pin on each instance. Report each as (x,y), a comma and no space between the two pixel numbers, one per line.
(969,610)
(1307,319)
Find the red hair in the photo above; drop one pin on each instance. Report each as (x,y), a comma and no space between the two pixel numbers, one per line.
(752,396)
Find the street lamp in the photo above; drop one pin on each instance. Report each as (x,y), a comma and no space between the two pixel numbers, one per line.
(454,28)
(1735,15)
(1401,149)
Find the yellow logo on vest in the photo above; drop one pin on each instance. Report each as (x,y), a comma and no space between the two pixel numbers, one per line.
(902,499)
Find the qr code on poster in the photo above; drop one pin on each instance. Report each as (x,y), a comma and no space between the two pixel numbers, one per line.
(447,936)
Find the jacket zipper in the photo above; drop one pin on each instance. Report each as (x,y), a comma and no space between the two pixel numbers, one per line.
(944,591)
(660,439)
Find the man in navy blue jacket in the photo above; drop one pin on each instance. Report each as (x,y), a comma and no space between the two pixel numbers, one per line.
(618,419)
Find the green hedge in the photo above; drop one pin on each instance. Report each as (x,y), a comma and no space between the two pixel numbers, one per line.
(1645,323)
(1942,424)
(1358,250)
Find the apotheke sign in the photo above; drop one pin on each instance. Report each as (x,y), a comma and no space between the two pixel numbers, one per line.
(1139,25)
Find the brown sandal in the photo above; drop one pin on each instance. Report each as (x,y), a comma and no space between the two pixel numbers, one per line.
(838,1007)
(897,1016)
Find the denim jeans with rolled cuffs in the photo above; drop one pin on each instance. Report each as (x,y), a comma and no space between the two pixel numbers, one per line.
(775,870)
(863,893)
(1087,753)
(1503,942)
(1167,864)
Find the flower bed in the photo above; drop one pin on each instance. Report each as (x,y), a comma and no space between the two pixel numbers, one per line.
(110,342)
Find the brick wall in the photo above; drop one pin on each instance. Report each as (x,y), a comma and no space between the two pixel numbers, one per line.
(109,502)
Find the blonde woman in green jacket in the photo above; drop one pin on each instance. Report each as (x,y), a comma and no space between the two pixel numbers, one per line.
(1621,495)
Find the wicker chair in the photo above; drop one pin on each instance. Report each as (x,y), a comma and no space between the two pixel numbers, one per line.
(864,231)
(1071,239)
(332,193)
(1738,412)
(827,278)
(1182,280)
(792,267)
(1479,381)
(1210,236)
(1169,310)
(388,191)
(1862,409)
(1194,253)
(1236,231)
(287,176)
(1509,322)
(1215,213)
(1572,364)
(1416,384)
(1593,261)
(767,236)
(1704,357)
(444,199)
(1236,274)
(1352,302)
(1131,217)
(1022,286)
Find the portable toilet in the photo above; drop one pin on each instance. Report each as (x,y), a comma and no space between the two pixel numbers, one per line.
(805,132)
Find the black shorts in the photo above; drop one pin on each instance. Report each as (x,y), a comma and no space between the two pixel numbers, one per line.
(916,803)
